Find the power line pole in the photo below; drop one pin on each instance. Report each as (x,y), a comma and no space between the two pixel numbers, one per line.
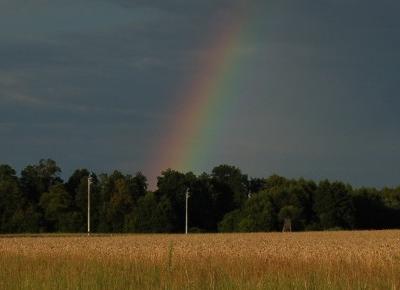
(186,217)
(90,180)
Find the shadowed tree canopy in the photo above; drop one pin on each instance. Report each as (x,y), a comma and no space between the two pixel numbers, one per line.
(36,179)
(225,200)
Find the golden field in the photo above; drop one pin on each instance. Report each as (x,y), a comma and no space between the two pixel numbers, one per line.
(311,260)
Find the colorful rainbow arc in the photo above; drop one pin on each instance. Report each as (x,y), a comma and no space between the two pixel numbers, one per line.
(186,140)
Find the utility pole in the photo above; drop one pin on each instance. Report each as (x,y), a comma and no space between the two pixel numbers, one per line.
(186,217)
(90,180)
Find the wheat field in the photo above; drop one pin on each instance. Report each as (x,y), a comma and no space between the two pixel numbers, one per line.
(311,260)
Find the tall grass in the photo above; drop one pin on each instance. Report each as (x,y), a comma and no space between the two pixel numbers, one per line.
(343,260)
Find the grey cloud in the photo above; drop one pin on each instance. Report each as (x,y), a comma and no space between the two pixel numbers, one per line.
(316,92)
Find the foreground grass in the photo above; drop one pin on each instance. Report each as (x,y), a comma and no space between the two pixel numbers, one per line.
(339,260)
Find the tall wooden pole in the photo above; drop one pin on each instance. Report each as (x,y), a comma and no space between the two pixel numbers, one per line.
(88,205)
(186,216)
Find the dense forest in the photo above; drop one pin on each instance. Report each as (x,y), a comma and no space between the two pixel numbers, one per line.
(226,200)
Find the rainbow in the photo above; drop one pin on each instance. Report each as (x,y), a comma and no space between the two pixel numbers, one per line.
(198,115)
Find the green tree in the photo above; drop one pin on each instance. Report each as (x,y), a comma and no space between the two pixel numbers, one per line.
(77,187)
(120,203)
(275,181)
(201,213)
(230,189)
(391,197)
(138,185)
(258,214)
(230,222)
(333,205)
(56,205)
(17,215)
(37,179)
(76,181)
(370,211)
(115,197)
(256,185)
(10,198)
(172,187)
(151,215)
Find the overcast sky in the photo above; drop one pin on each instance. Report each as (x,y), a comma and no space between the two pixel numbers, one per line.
(92,83)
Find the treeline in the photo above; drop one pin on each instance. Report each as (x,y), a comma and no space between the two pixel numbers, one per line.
(226,200)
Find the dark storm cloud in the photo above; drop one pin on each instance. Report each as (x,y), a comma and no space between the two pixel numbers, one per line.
(93,83)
